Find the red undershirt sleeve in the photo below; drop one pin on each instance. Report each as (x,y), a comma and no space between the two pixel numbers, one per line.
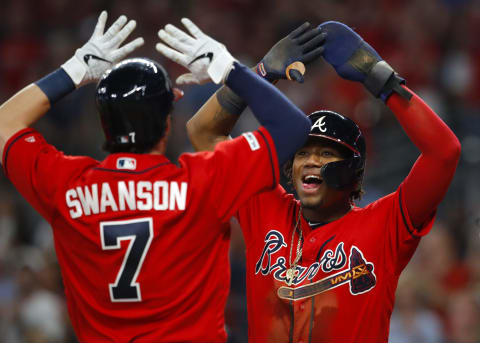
(428,180)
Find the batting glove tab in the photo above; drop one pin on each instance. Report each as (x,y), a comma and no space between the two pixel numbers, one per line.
(206,58)
(354,59)
(102,50)
(286,59)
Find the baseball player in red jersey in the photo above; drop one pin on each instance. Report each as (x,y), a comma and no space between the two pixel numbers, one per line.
(143,243)
(320,269)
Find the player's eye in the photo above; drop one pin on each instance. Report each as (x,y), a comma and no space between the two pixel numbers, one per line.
(301,153)
(327,153)
(330,153)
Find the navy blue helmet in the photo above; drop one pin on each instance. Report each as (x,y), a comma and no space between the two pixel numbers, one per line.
(134,99)
(343,131)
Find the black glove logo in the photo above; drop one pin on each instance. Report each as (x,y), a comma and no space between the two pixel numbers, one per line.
(208,55)
(87,58)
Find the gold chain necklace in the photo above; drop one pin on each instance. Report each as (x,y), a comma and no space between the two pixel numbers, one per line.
(292,271)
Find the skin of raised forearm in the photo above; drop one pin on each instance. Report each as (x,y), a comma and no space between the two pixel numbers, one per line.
(20,111)
(210,125)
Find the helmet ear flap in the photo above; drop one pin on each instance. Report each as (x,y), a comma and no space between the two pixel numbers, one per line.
(342,174)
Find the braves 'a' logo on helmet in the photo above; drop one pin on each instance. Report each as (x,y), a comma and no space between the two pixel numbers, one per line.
(319,124)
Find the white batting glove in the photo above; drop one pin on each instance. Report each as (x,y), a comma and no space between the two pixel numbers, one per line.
(101,51)
(207,59)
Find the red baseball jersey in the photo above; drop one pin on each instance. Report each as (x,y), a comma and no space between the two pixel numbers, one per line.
(347,275)
(143,243)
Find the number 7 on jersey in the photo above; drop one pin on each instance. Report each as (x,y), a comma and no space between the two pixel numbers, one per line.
(139,233)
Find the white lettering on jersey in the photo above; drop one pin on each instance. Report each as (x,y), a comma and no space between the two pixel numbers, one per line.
(107,199)
(89,199)
(144,196)
(252,140)
(126,195)
(144,192)
(73,203)
(320,124)
(178,196)
(160,195)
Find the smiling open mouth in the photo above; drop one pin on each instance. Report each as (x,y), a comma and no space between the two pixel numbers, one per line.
(311,182)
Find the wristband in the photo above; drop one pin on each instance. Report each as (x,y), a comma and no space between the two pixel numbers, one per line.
(259,69)
(382,81)
(56,85)
(230,101)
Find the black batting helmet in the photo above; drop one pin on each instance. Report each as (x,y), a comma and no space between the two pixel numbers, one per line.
(343,131)
(134,99)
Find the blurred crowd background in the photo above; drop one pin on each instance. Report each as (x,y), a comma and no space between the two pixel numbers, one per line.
(433,44)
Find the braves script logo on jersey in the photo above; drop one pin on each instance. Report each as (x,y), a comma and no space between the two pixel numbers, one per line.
(359,273)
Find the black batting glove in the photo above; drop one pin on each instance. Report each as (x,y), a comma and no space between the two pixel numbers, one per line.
(354,59)
(286,59)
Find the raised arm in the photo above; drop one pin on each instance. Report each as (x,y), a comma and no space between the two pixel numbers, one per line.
(20,111)
(87,65)
(428,180)
(214,121)
(277,114)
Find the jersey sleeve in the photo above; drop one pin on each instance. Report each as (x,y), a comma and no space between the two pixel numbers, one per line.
(238,169)
(32,165)
(402,237)
(262,211)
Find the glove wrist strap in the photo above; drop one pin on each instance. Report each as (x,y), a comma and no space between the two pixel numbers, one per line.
(221,66)
(260,70)
(75,69)
(382,81)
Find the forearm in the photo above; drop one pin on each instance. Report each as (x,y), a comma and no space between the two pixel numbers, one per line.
(425,128)
(32,102)
(272,109)
(211,124)
(21,111)
(28,105)
(215,120)
(430,177)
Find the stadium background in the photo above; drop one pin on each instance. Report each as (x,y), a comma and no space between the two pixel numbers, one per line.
(433,44)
